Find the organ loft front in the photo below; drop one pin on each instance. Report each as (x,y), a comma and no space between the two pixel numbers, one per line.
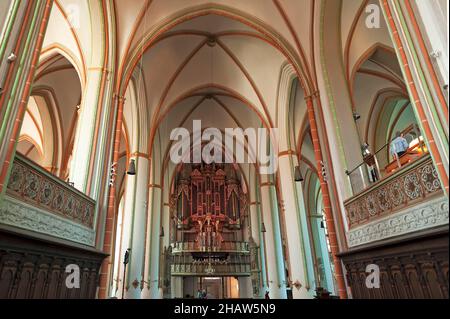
(211,251)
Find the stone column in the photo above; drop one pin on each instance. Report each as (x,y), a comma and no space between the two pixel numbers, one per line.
(125,235)
(256,235)
(308,237)
(432,15)
(428,102)
(85,129)
(6,8)
(273,249)
(23,38)
(153,243)
(255,223)
(296,247)
(111,214)
(245,288)
(176,287)
(327,206)
(139,211)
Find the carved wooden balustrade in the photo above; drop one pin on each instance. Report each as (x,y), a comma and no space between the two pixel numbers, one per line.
(405,188)
(38,201)
(227,246)
(241,268)
(230,258)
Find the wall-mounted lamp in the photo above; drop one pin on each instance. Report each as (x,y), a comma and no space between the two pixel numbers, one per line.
(12,57)
(365,149)
(132,168)
(263,228)
(435,54)
(298,174)
(70,183)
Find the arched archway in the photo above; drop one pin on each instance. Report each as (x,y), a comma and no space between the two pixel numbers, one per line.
(51,116)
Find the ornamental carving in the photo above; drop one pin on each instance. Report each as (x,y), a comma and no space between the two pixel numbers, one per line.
(415,269)
(32,269)
(405,188)
(33,185)
(429,178)
(208,209)
(17,213)
(427,215)
(413,189)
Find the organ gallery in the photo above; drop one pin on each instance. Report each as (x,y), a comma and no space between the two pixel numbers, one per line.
(210,229)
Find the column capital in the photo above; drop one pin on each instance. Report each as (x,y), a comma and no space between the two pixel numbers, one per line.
(99,69)
(141,155)
(287,153)
(267,184)
(312,96)
(119,98)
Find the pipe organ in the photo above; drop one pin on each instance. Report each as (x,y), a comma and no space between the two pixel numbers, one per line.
(209,234)
(208,205)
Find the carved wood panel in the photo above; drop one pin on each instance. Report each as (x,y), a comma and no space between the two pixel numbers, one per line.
(35,269)
(32,184)
(413,184)
(416,268)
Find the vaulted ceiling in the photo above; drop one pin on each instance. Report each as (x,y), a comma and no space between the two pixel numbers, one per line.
(219,61)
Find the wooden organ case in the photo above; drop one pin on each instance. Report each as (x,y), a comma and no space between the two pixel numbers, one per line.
(208,235)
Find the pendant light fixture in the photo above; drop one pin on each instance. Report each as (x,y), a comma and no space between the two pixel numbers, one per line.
(298,174)
(132,168)
(263,228)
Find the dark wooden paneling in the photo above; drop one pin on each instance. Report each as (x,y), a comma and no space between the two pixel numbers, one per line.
(413,268)
(35,269)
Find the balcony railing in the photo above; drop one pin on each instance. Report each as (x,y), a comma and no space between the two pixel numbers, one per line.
(226,246)
(402,189)
(189,269)
(380,165)
(33,185)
